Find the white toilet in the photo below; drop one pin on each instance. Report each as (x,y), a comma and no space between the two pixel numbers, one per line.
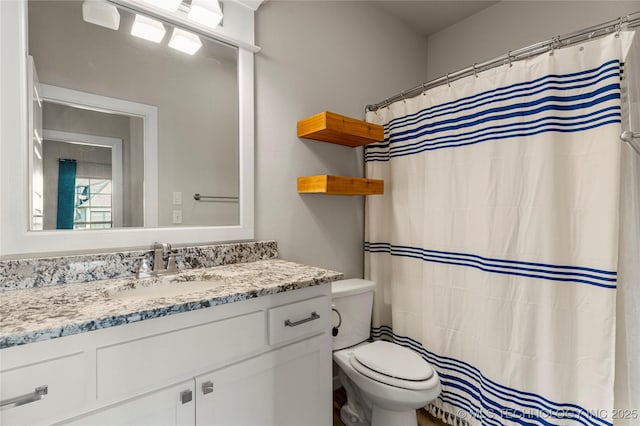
(385,382)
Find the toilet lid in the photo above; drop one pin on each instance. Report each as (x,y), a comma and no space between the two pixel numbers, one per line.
(418,385)
(393,361)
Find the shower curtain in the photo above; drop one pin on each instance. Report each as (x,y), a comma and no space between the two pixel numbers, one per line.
(627,386)
(495,246)
(66,193)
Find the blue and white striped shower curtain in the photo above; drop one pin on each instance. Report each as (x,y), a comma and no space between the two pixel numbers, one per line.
(495,246)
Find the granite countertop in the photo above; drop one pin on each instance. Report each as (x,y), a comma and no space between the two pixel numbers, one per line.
(37,314)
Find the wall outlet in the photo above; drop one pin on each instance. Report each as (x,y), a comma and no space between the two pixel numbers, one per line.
(177,216)
(177,198)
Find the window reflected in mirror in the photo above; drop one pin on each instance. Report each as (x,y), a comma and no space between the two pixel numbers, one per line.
(92,208)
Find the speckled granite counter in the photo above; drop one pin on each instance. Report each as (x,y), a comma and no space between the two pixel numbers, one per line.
(36,314)
(41,272)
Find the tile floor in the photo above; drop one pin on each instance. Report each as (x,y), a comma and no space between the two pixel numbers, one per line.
(339,398)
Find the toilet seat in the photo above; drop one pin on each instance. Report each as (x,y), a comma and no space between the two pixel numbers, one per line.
(393,365)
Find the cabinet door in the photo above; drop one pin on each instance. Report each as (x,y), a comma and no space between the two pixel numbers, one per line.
(171,406)
(288,386)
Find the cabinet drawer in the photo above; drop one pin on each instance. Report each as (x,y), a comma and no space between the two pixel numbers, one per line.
(63,379)
(138,365)
(300,319)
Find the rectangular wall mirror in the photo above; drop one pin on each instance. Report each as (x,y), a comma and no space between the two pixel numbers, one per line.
(195,98)
(126,140)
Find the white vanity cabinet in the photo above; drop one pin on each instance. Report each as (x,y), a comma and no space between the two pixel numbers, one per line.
(279,388)
(171,406)
(263,361)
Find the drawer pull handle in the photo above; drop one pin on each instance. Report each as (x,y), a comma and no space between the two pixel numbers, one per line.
(207,387)
(313,316)
(36,395)
(186,396)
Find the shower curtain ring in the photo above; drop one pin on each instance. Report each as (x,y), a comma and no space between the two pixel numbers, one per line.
(424,90)
(404,99)
(555,43)
(619,26)
(448,82)
(509,59)
(475,72)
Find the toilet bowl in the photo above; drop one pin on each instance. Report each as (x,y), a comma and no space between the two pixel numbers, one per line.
(392,399)
(385,382)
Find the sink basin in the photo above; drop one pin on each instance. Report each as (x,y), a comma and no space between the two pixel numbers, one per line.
(161,289)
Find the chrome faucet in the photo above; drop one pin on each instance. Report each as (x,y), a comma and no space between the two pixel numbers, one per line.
(160,251)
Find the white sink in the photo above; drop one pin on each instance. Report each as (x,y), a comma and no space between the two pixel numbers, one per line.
(161,289)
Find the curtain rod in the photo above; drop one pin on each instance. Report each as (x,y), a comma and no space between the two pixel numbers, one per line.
(615,25)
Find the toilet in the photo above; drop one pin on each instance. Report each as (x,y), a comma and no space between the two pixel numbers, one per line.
(385,382)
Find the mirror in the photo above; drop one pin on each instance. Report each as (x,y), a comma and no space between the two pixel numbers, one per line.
(125,131)
(177,161)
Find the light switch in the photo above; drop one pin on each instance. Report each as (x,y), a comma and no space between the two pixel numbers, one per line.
(177,216)
(177,198)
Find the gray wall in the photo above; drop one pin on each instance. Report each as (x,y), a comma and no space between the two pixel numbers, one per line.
(510,25)
(133,181)
(316,56)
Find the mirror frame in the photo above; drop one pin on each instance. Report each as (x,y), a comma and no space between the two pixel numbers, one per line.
(15,238)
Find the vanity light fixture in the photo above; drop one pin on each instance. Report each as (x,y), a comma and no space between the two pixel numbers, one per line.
(170,5)
(148,29)
(101,13)
(185,41)
(205,12)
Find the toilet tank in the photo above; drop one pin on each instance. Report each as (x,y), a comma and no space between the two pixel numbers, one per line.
(353,304)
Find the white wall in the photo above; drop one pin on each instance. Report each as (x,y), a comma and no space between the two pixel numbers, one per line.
(316,56)
(510,25)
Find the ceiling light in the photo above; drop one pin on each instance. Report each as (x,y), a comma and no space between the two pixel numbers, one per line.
(101,13)
(185,41)
(205,12)
(148,29)
(170,5)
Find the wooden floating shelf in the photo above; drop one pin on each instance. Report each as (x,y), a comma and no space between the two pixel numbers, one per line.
(335,128)
(339,185)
